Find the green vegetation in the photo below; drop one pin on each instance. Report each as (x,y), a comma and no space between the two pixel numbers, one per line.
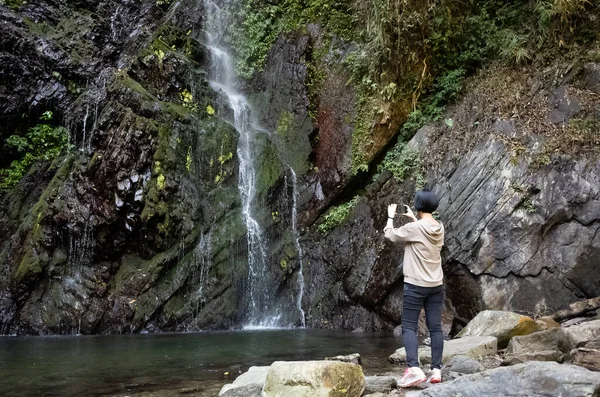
(528,206)
(260,22)
(403,46)
(413,53)
(188,159)
(560,15)
(586,129)
(43,142)
(187,100)
(404,163)
(13,4)
(337,215)
(285,123)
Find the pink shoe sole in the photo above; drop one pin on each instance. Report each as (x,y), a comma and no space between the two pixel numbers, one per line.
(415,383)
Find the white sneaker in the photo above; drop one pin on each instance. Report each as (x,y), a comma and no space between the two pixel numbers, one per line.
(435,376)
(412,377)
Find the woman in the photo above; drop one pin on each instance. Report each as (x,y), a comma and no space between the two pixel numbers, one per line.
(423,282)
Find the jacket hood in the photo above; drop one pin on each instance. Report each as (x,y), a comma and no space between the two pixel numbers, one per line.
(433,232)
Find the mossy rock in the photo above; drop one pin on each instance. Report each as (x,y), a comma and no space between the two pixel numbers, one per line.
(168,284)
(29,266)
(35,258)
(268,166)
(293,132)
(225,234)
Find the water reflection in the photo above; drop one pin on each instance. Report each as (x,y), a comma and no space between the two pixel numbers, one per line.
(167,364)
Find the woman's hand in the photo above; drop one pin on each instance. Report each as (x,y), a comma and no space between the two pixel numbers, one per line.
(409,213)
(392,210)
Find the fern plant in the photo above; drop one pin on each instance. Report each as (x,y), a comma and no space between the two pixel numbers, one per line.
(42,142)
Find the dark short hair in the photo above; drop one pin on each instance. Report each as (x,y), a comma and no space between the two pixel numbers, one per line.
(426,201)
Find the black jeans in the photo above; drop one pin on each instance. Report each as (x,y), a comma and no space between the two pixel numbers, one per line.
(415,298)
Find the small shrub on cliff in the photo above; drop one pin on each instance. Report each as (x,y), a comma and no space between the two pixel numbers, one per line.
(585,130)
(562,12)
(42,142)
(404,163)
(514,47)
(337,215)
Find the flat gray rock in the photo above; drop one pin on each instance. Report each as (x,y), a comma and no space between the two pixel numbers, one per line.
(533,379)
(543,355)
(379,384)
(464,365)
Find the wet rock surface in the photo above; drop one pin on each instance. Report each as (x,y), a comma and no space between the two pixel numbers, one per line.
(120,234)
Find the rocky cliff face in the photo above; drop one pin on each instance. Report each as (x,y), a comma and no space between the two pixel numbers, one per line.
(140,226)
(517,176)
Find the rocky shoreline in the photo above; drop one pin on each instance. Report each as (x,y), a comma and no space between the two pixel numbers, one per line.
(498,353)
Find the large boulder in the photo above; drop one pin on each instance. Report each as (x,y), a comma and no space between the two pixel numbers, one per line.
(578,335)
(314,379)
(471,346)
(254,376)
(539,346)
(530,379)
(501,324)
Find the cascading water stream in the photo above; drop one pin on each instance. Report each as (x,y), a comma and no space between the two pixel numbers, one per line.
(223,79)
(298,248)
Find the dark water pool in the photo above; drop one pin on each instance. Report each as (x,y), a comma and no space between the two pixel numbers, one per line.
(168,365)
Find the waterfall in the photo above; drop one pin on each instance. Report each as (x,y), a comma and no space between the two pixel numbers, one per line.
(223,79)
(298,247)
(202,259)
